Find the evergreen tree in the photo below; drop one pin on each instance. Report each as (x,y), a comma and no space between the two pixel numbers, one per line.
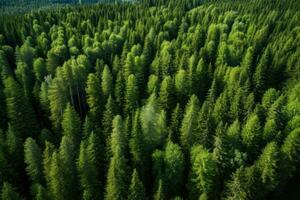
(174,168)
(20,112)
(33,160)
(251,135)
(136,189)
(137,146)
(159,194)
(131,95)
(260,76)
(189,123)
(88,175)
(107,81)
(41,193)
(204,173)
(71,125)
(117,180)
(9,193)
(94,98)
(268,165)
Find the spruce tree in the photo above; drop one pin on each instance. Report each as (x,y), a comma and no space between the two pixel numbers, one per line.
(189,123)
(88,175)
(9,193)
(33,160)
(136,189)
(71,125)
(131,95)
(107,81)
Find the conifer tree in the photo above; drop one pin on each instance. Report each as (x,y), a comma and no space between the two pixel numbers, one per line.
(117,177)
(136,189)
(63,176)
(71,125)
(137,146)
(47,158)
(88,175)
(57,100)
(260,76)
(9,193)
(189,123)
(251,134)
(166,94)
(159,194)
(181,85)
(268,165)
(132,94)
(174,126)
(204,173)
(119,91)
(20,112)
(41,193)
(290,150)
(94,98)
(108,117)
(107,81)
(174,168)
(33,160)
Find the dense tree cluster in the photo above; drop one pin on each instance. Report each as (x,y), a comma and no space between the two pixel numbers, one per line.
(152,100)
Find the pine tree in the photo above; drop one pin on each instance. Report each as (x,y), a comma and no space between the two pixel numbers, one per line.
(175,124)
(107,81)
(131,95)
(63,176)
(96,155)
(41,193)
(181,85)
(94,98)
(189,123)
(39,68)
(260,76)
(137,146)
(71,125)
(47,158)
(9,193)
(118,136)
(136,189)
(88,175)
(204,172)
(58,100)
(20,112)
(33,160)
(107,119)
(251,135)
(174,168)
(244,184)
(268,165)
(117,180)
(159,194)
(290,150)
(166,94)
(25,77)
(119,91)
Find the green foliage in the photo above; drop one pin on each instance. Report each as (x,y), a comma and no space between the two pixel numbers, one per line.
(107,81)
(33,160)
(136,190)
(71,124)
(180,100)
(189,127)
(9,193)
(204,173)
(88,175)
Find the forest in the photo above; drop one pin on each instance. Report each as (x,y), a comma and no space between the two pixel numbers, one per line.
(152,100)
